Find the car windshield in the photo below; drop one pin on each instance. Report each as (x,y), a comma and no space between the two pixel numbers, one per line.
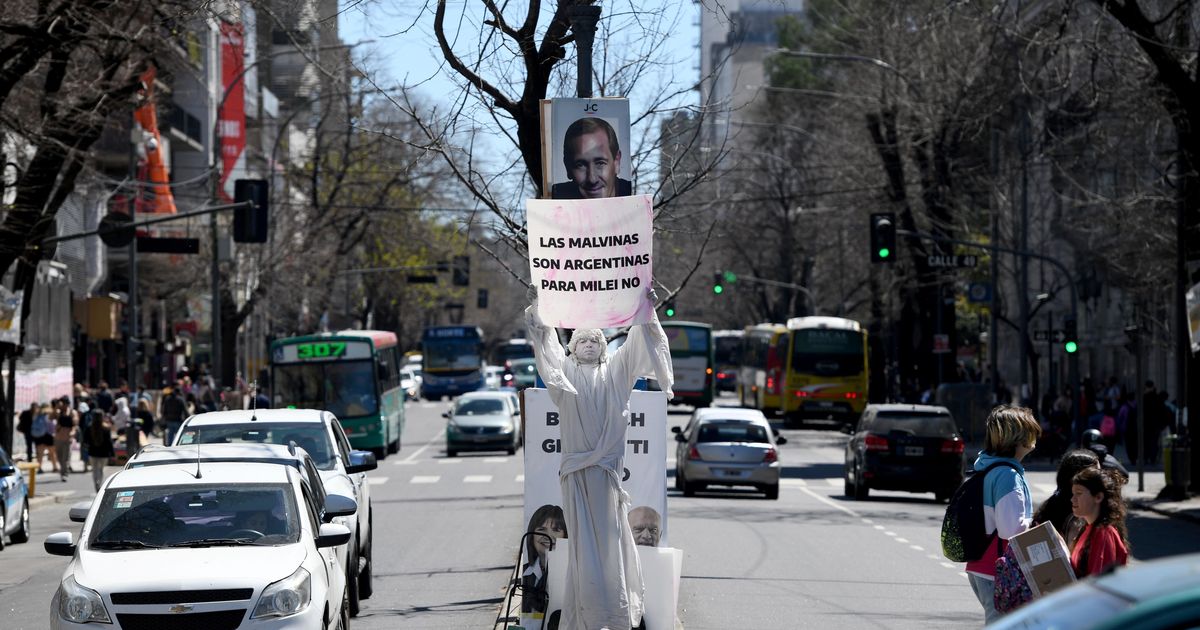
(345,388)
(199,515)
(311,436)
(479,407)
(732,432)
(920,424)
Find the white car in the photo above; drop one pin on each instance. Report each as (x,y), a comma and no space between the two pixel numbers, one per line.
(493,376)
(342,469)
(410,382)
(204,545)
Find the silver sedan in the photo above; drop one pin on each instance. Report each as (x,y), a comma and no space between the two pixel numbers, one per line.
(727,447)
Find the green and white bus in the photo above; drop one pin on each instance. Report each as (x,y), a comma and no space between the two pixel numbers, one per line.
(354,374)
(691,345)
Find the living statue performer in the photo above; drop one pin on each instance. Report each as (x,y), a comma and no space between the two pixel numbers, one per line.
(604,586)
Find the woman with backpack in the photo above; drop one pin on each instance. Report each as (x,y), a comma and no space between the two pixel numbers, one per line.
(1012,433)
(1096,498)
(100,445)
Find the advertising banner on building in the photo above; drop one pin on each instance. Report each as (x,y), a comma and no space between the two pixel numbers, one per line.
(590,260)
(154,165)
(585,148)
(10,315)
(231,118)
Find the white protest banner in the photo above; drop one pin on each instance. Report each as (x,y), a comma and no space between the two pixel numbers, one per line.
(590,260)
(644,478)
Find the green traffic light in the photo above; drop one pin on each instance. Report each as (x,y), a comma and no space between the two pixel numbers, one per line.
(1071,347)
(884,252)
(730,276)
(718,289)
(670,312)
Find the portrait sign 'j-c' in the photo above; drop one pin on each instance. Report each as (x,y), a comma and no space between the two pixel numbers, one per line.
(585,148)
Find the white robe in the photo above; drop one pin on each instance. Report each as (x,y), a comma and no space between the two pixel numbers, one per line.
(604,586)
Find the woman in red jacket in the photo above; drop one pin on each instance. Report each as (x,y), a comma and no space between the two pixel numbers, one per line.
(1096,498)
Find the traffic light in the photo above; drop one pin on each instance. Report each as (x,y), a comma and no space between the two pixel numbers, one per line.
(250,224)
(718,283)
(883,237)
(669,308)
(1071,335)
(462,271)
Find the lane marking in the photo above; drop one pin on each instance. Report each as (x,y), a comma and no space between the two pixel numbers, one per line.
(834,481)
(892,534)
(949,566)
(520,479)
(917,547)
(793,482)
(830,503)
(867,521)
(439,437)
(377,481)
(449,461)
(425,479)
(496,460)
(880,527)
(901,540)
(405,462)
(477,479)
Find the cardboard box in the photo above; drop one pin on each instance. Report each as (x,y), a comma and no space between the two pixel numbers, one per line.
(1044,559)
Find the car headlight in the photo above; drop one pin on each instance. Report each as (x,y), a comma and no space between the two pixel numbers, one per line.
(508,429)
(80,605)
(285,597)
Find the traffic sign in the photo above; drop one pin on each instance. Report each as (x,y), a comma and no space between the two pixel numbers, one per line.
(979,292)
(941,344)
(1057,335)
(953,261)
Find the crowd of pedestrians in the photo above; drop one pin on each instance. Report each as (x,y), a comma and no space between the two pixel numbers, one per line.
(102,422)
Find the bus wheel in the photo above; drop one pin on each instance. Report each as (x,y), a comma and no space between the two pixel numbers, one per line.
(379,452)
(394,447)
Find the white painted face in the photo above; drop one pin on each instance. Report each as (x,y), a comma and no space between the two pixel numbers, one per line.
(588,351)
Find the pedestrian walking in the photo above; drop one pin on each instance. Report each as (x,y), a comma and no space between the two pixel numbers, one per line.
(64,435)
(85,421)
(1012,433)
(122,417)
(143,420)
(25,428)
(174,410)
(1096,498)
(104,398)
(43,436)
(100,445)
(1094,442)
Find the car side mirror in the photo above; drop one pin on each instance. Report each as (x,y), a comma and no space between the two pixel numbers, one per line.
(676,430)
(337,505)
(61,544)
(332,535)
(679,437)
(79,511)
(361,461)
(8,471)
(779,439)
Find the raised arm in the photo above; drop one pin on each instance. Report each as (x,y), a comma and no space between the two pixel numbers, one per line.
(547,350)
(645,353)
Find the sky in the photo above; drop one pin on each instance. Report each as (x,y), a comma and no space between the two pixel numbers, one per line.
(404,50)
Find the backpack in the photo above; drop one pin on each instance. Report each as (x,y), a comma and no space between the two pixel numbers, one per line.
(42,426)
(1108,426)
(1011,589)
(963,536)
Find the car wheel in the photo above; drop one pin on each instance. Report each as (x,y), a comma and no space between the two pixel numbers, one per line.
(379,452)
(861,491)
(512,450)
(365,586)
(352,581)
(451,452)
(343,620)
(394,447)
(690,488)
(847,487)
(22,534)
(772,492)
(678,479)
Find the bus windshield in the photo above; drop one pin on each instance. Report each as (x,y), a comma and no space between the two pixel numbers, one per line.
(828,352)
(452,354)
(728,350)
(347,389)
(685,340)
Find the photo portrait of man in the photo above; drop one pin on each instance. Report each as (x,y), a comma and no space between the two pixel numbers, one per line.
(592,156)
(646,525)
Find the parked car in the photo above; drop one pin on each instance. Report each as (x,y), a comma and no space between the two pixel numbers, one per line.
(483,421)
(723,446)
(914,448)
(204,545)
(521,373)
(343,470)
(1156,595)
(410,382)
(290,455)
(14,502)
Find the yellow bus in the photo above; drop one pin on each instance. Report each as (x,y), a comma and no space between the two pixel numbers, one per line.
(826,369)
(763,365)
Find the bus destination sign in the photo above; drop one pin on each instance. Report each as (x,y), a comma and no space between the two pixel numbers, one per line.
(310,351)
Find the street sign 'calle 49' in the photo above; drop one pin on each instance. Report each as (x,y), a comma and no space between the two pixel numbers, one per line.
(959,260)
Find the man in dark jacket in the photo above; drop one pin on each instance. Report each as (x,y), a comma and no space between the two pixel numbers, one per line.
(174,408)
(1092,441)
(25,428)
(104,398)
